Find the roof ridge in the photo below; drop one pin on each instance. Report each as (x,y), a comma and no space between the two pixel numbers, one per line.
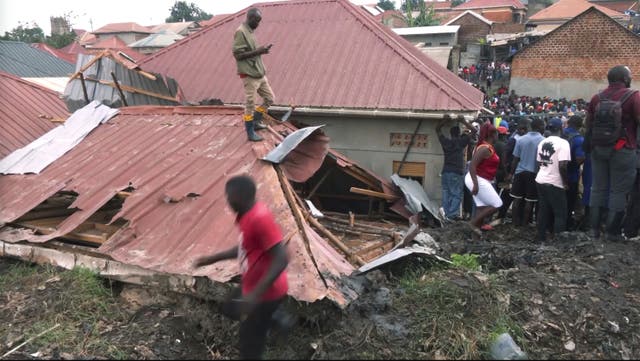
(549,9)
(479,16)
(591,8)
(28,83)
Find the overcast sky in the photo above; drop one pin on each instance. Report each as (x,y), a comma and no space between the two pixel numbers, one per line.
(101,12)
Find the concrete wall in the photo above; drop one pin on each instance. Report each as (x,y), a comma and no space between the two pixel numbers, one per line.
(557,88)
(368,142)
(449,39)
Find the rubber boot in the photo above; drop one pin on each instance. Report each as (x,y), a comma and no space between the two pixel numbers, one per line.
(257,121)
(614,226)
(251,134)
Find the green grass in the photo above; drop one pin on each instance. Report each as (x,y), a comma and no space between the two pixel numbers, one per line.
(77,300)
(453,314)
(466,261)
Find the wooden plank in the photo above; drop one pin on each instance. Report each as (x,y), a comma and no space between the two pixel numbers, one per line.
(131,89)
(86,66)
(370,193)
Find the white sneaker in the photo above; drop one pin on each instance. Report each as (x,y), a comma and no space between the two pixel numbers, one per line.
(442,214)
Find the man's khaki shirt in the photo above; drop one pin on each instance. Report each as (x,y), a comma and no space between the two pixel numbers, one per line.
(243,41)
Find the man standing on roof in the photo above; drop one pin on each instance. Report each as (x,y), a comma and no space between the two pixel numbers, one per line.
(263,260)
(252,72)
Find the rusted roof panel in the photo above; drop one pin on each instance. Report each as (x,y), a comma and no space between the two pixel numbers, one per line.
(326,54)
(184,155)
(27,111)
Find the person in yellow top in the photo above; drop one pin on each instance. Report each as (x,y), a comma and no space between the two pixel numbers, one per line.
(252,72)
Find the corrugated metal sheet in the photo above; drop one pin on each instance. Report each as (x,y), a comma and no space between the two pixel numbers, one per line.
(123,28)
(55,84)
(58,53)
(127,75)
(116,44)
(484,4)
(21,59)
(43,151)
(568,9)
(157,40)
(327,53)
(27,110)
(174,152)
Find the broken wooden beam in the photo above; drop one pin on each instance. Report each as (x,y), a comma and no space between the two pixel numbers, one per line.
(338,243)
(370,193)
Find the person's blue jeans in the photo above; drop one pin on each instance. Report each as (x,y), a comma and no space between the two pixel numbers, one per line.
(452,188)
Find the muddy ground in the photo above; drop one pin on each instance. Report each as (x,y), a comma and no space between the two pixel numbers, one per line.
(565,299)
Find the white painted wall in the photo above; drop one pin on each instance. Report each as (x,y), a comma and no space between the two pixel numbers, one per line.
(367,141)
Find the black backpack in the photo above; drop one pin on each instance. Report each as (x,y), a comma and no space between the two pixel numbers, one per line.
(607,126)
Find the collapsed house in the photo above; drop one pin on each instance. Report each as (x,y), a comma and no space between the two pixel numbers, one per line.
(378,96)
(116,80)
(143,195)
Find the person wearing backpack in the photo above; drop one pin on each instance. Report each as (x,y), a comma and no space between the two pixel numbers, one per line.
(612,119)
(572,135)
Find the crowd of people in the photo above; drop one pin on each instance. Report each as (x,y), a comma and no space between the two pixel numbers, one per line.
(557,164)
(485,72)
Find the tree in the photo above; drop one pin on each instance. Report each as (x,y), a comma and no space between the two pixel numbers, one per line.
(426,15)
(181,11)
(28,33)
(61,40)
(387,5)
(455,3)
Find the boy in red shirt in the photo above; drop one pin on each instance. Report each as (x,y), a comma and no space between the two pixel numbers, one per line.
(263,261)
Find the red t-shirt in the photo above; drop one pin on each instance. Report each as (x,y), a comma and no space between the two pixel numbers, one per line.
(630,109)
(259,234)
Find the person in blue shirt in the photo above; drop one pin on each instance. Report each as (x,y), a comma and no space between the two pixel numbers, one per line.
(572,134)
(523,172)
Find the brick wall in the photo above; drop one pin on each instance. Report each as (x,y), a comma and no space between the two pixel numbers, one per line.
(471,29)
(499,16)
(584,48)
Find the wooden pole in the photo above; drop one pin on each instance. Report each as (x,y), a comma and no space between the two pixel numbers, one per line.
(346,250)
(84,88)
(29,340)
(370,193)
(115,81)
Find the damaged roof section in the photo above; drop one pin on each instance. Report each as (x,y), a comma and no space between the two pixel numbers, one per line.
(37,155)
(116,80)
(173,163)
(28,111)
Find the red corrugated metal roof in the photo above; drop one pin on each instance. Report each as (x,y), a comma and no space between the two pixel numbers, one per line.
(568,9)
(26,112)
(116,44)
(326,54)
(123,28)
(483,4)
(166,152)
(58,53)
(619,6)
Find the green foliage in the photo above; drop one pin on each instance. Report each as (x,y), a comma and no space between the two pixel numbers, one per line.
(455,3)
(28,33)
(387,4)
(426,16)
(183,11)
(466,261)
(60,41)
